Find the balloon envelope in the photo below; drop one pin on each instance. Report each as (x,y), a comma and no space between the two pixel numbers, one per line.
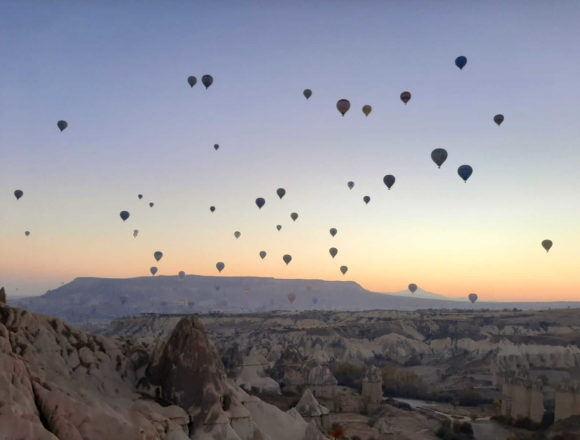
(278,227)
(294,216)
(405,97)
(307,93)
(157,255)
(220,266)
(287,258)
(366,199)
(237,234)
(281,192)
(439,156)
(153,270)
(460,61)
(291,297)
(343,269)
(547,244)
(124,215)
(389,180)
(135,233)
(212,208)
(343,105)
(216,147)
(367,109)
(27,233)
(333,231)
(314,300)
(498,119)
(207,80)
(260,202)
(262,254)
(464,172)
(140,196)
(333,251)
(412,287)
(18,193)
(181,275)
(151,204)
(472,297)
(350,184)
(192,80)
(62,125)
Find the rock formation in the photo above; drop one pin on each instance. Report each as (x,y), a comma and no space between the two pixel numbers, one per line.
(2,295)
(372,389)
(523,399)
(567,401)
(312,411)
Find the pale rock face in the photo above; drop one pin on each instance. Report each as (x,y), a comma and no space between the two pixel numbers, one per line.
(252,375)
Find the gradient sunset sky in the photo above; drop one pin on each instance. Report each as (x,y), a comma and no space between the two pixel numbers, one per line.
(117,72)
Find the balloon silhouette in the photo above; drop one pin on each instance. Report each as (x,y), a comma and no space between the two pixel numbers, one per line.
(307,93)
(294,216)
(262,254)
(153,270)
(333,231)
(389,180)
(62,125)
(124,215)
(216,147)
(367,109)
(460,61)
(135,233)
(547,244)
(260,202)
(464,172)
(181,275)
(140,196)
(18,193)
(406,97)
(333,251)
(278,227)
(291,297)
(412,287)
(237,234)
(220,266)
(343,105)
(27,233)
(281,192)
(151,204)
(287,259)
(158,255)
(212,208)
(350,184)
(343,269)
(472,297)
(439,156)
(192,80)
(498,119)
(366,199)
(207,80)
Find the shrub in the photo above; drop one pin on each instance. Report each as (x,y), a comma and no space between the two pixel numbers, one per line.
(348,375)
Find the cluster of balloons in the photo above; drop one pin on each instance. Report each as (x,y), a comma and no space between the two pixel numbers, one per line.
(206,80)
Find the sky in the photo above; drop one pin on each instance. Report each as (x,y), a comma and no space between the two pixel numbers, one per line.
(117,73)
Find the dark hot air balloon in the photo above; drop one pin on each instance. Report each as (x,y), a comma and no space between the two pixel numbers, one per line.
(389,180)
(343,269)
(472,297)
(207,80)
(181,275)
(281,192)
(216,147)
(333,251)
(153,270)
(27,233)
(220,266)
(151,204)
(498,119)
(262,254)
(140,196)
(343,105)
(307,93)
(350,184)
(260,202)
(18,193)
(412,287)
(333,231)
(135,233)
(237,234)
(62,125)
(366,199)
(464,172)
(547,244)
(287,259)
(460,61)
(367,109)
(192,80)
(439,156)
(212,208)
(124,215)
(157,255)
(278,227)
(294,216)
(406,97)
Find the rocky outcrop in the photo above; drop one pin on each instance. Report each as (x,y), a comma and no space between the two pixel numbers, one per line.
(567,401)
(312,411)
(253,376)
(522,399)
(372,389)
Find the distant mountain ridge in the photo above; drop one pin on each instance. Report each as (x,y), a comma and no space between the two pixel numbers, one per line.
(100,300)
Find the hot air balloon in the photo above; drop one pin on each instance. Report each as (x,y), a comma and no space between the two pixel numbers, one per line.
(207,80)
(405,97)
(366,199)
(151,204)
(181,275)
(439,155)
(217,288)
(153,270)
(135,233)
(314,300)
(62,125)
(412,287)
(350,184)
(291,297)
(212,208)
(294,216)
(498,119)
(472,297)
(307,93)
(260,202)
(308,288)
(464,172)
(157,255)
(367,109)
(124,215)
(262,254)
(216,147)
(281,192)
(192,80)
(547,244)
(278,227)
(389,180)
(460,61)
(18,193)
(220,266)
(333,251)
(343,269)
(237,234)
(333,231)
(140,196)
(287,259)
(27,233)
(343,105)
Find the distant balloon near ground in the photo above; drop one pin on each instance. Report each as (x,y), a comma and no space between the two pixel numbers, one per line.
(281,192)
(237,234)
(412,287)
(464,172)
(153,270)
(220,266)
(192,80)
(472,297)
(18,193)
(333,251)
(216,147)
(291,297)
(460,61)
(262,254)
(158,255)
(135,233)
(260,202)
(294,216)
(547,244)
(366,199)
(333,231)
(124,215)
(389,180)
(343,105)
(367,109)
(287,259)
(314,300)
(27,233)
(350,184)
(62,125)
(307,93)
(181,275)
(439,156)
(212,208)
(343,269)
(278,227)
(405,97)
(207,80)
(498,119)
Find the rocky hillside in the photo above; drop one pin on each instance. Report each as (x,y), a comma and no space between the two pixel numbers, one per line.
(60,383)
(99,300)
